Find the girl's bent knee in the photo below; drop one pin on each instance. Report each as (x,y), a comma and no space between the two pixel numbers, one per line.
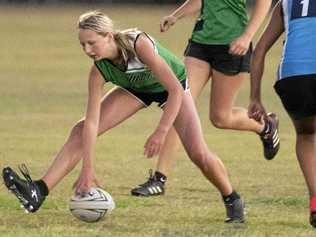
(219,121)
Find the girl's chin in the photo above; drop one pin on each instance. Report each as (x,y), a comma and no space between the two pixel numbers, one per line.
(97,58)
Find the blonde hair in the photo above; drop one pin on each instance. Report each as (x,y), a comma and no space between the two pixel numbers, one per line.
(102,24)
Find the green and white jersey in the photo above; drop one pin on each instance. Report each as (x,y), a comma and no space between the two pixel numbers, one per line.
(220,21)
(137,75)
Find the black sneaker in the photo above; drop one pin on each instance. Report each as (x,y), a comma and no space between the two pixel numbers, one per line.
(152,187)
(271,140)
(312,219)
(235,212)
(26,191)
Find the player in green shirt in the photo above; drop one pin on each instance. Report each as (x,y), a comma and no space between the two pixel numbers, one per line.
(219,49)
(144,72)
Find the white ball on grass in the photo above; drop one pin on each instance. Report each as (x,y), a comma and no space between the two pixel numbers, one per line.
(93,206)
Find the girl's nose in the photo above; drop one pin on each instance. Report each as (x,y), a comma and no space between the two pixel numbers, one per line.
(87,49)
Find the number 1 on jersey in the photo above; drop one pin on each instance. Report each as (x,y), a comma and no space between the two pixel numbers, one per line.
(305,4)
(303,8)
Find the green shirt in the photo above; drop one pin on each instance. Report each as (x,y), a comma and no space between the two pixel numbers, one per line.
(220,21)
(138,76)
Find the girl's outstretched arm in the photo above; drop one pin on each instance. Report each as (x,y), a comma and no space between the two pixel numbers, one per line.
(90,130)
(162,71)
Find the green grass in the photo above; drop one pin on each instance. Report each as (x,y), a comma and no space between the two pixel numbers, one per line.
(43,92)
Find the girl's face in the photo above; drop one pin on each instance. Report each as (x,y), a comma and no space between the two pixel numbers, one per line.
(97,46)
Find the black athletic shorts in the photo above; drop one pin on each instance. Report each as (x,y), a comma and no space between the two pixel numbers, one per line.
(219,58)
(298,95)
(160,97)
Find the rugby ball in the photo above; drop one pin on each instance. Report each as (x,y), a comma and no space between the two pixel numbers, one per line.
(93,206)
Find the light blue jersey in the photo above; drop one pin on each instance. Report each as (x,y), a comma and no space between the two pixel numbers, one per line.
(299,51)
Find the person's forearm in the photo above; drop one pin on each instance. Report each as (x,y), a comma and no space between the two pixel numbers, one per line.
(190,7)
(257,68)
(91,122)
(271,34)
(259,13)
(171,110)
(89,136)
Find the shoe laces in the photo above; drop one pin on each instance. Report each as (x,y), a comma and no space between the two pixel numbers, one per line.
(24,170)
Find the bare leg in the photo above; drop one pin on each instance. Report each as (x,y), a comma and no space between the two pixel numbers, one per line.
(306,155)
(111,115)
(167,155)
(306,151)
(198,74)
(189,129)
(223,114)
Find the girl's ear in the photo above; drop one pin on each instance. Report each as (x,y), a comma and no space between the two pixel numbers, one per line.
(109,35)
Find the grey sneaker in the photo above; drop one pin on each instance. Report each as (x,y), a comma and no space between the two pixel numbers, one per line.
(235,212)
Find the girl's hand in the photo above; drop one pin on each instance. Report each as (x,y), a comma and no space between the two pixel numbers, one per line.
(256,111)
(85,181)
(154,143)
(167,22)
(240,45)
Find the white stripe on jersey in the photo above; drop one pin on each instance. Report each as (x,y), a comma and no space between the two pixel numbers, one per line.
(134,64)
(285,9)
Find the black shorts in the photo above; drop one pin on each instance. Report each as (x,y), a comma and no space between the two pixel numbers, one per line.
(298,95)
(219,58)
(160,97)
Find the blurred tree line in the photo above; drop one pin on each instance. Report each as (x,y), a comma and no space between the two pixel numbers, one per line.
(249,2)
(90,1)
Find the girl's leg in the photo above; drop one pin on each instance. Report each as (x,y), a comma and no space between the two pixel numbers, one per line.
(189,129)
(223,113)
(198,74)
(306,151)
(117,105)
(306,155)
(167,155)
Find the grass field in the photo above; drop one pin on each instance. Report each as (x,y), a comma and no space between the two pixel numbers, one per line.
(43,92)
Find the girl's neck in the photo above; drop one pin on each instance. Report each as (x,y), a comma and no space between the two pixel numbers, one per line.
(119,63)
(118,60)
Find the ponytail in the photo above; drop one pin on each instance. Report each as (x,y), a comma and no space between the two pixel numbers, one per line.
(125,47)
